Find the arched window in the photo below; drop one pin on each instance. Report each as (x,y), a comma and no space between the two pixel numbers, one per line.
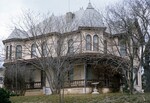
(10,52)
(58,47)
(105,46)
(44,49)
(123,51)
(88,42)
(70,46)
(95,43)
(7,52)
(18,52)
(33,50)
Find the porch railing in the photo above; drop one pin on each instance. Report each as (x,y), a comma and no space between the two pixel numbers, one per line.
(33,85)
(74,83)
(77,83)
(81,83)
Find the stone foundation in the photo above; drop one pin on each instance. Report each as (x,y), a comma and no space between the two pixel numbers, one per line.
(105,90)
(34,92)
(80,90)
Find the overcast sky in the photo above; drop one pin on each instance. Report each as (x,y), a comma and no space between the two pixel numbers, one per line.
(10,9)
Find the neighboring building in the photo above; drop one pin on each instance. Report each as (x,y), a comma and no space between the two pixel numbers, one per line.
(94,54)
(2,70)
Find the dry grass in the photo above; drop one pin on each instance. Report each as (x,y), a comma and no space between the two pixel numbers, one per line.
(89,98)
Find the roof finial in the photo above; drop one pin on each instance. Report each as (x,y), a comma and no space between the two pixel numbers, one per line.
(15,27)
(90,5)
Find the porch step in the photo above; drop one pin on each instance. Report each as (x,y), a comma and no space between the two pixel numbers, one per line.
(34,92)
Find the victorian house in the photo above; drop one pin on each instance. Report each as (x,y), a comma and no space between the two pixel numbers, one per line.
(94,55)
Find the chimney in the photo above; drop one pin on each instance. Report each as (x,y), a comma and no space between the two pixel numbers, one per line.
(69,17)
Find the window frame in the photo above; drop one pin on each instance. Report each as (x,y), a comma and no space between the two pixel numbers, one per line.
(33,50)
(10,52)
(88,42)
(122,48)
(70,46)
(7,51)
(18,52)
(95,44)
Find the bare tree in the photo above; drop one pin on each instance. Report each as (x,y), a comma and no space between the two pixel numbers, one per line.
(49,46)
(132,19)
(141,11)
(15,78)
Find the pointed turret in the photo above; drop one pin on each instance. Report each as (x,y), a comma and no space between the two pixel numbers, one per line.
(90,6)
(91,17)
(17,33)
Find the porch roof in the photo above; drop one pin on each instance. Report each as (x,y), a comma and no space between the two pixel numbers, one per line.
(90,58)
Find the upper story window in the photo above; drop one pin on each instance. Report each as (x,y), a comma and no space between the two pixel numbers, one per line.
(33,50)
(58,47)
(10,52)
(7,50)
(70,46)
(88,42)
(44,49)
(95,43)
(18,52)
(105,46)
(123,51)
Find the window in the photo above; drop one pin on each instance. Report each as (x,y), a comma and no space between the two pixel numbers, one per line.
(70,46)
(7,52)
(70,74)
(58,47)
(95,43)
(44,49)
(105,46)
(10,52)
(89,72)
(123,51)
(33,50)
(18,52)
(137,78)
(88,42)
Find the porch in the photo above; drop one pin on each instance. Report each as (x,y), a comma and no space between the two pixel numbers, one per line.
(33,85)
(86,87)
(88,68)
(88,83)
(84,74)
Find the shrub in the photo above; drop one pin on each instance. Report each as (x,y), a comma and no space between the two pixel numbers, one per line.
(4,96)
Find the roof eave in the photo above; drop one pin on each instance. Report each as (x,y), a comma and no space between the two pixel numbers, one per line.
(91,28)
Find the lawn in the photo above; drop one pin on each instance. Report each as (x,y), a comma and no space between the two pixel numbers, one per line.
(88,98)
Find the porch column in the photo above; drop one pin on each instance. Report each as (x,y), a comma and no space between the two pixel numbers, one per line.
(85,79)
